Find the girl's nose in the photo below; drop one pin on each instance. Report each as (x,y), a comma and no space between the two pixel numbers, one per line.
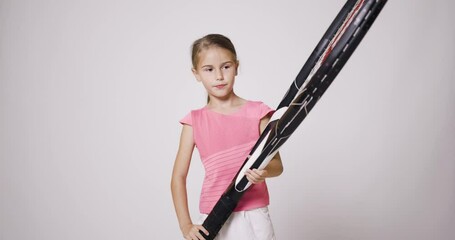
(219,75)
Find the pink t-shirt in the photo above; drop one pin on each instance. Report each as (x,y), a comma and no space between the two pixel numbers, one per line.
(224,142)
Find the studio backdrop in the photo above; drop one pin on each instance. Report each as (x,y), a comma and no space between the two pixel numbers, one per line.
(91,93)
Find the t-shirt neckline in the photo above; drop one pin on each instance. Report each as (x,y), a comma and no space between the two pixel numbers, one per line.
(230,114)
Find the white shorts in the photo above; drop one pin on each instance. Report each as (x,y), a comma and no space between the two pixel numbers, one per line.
(252,224)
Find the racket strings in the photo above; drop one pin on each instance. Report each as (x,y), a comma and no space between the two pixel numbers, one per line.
(347,21)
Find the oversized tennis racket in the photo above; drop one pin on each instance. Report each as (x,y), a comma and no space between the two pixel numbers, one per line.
(325,62)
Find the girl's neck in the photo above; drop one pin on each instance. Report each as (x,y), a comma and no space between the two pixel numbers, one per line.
(226,105)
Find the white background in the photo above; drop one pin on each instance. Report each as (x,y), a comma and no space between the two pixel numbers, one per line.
(91,93)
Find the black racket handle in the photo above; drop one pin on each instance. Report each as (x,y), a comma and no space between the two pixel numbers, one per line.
(220,213)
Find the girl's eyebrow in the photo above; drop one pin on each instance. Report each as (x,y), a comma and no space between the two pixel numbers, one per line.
(224,63)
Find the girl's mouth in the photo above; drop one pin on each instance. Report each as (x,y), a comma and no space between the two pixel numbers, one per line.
(220,86)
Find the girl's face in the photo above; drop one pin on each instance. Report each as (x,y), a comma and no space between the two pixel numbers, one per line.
(216,69)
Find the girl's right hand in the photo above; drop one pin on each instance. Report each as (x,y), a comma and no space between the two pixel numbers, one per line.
(191,232)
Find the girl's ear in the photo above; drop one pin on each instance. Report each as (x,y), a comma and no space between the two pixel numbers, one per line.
(196,74)
(237,67)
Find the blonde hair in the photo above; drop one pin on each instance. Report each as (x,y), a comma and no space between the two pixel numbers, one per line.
(210,40)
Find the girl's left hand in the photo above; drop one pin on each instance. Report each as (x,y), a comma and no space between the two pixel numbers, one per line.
(256,176)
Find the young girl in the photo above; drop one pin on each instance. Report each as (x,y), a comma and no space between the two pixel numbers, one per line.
(224,131)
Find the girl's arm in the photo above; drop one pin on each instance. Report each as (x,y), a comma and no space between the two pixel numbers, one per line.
(178,185)
(273,169)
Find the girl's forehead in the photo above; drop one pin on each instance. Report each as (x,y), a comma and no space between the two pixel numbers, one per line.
(215,53)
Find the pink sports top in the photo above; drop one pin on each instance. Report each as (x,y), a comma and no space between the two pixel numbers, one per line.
(224,142)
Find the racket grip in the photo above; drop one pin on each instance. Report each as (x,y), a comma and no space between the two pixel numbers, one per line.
(218,216)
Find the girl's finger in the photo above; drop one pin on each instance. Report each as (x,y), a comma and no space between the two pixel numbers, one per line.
(199,236)
(249,172)
(204,230)
(249,175)
(254,173)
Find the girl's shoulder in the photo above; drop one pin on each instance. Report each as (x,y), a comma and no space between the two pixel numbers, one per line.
(188,118)
(255,104)
(258,109)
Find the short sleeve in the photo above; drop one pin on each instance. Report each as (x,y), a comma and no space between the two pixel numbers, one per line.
(187,120)
(265,110)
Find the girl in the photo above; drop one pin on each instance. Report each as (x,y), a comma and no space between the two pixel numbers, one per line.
(224,131)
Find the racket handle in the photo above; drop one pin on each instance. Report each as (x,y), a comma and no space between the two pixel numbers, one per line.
(218,216)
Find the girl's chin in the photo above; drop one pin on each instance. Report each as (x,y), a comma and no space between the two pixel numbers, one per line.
(222,96)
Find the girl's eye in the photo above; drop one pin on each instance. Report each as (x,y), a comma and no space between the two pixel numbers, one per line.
(227,67)
(208,69)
